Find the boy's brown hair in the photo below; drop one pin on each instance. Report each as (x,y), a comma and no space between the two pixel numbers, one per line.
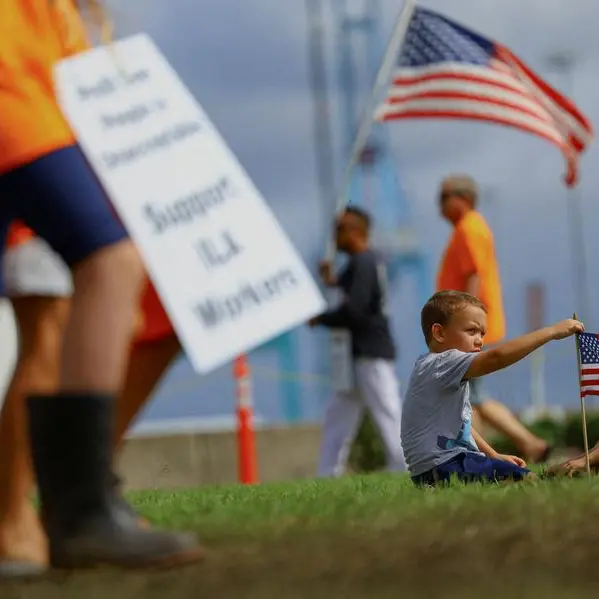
(442,306)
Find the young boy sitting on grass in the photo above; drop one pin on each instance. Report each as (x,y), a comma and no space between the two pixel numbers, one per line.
(436,428)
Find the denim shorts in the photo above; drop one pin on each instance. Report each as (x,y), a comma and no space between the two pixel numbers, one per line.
(471,467)
(62,200)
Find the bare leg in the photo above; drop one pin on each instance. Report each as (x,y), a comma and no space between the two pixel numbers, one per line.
(477,422)
(147,365)
(107,290)
(40,322)
(503,420)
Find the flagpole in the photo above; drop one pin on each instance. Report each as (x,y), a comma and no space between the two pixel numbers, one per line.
(583,413)
(382,79)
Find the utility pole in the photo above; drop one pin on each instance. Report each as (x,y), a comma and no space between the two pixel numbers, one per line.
(323,141)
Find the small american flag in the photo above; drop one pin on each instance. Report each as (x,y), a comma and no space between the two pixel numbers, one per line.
(447,71)
(589,363)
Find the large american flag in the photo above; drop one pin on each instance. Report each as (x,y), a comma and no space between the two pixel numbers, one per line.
(589,363)
(448,71)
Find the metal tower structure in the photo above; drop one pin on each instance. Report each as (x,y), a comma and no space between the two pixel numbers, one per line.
(374,186)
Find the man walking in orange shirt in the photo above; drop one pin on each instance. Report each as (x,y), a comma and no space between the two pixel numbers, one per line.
(469,264)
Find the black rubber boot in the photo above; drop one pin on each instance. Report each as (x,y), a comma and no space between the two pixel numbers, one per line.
(82,511)
(115,484)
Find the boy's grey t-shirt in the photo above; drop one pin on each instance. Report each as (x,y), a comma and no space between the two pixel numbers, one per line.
(436,422)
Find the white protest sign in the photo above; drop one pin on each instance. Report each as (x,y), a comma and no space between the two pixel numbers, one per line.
(227,274)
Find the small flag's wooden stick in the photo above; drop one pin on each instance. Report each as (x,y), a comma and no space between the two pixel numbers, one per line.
(583,412)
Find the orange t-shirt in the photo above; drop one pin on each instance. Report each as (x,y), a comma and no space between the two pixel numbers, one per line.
(471,250)
(34,36)
(18,233)
(154,321)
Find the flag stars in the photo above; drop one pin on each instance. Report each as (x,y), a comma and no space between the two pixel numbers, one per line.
(589,348)
(431,39)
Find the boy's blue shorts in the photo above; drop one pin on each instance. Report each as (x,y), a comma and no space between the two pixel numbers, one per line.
(61,199)
(471,467)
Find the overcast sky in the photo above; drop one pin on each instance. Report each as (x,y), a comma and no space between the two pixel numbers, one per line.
(246,63)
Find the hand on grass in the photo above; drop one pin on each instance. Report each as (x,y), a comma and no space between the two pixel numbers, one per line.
(566,328)
(512,459)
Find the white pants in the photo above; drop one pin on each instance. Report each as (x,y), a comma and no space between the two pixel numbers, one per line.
(377,389)
(34,268)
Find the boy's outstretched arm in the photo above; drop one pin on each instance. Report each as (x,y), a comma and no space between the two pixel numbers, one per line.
(514,350)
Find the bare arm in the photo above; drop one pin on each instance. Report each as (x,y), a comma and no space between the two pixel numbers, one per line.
(514,350)
(494,455)
(483,445)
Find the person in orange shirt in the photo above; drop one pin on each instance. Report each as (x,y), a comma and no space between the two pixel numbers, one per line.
(469,264)
(46,182)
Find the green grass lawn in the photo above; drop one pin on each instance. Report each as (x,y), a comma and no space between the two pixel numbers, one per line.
(373,536)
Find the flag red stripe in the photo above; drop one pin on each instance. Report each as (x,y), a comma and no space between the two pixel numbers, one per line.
(589,380)
(578,145)
(453,95)
(532,89)
(543,111)
(561,108)
(405,81)
(567,135)
(560,101)
(452,114)
(570,154)
(563,142)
